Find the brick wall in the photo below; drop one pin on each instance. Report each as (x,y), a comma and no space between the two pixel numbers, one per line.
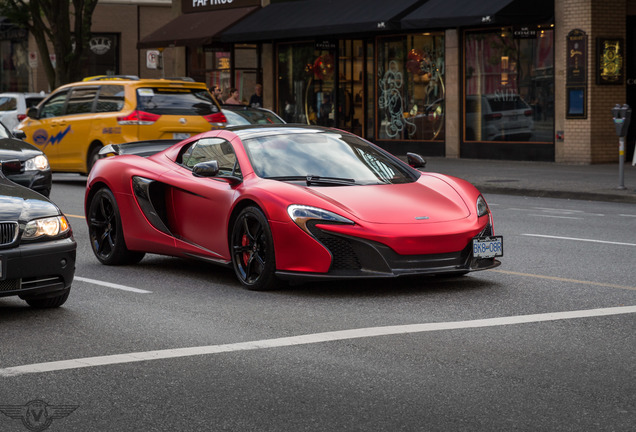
(590,140)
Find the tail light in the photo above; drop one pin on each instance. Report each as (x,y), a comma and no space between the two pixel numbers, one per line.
(138,118)
(495,116)
(216,119)
(21,117)
(527,113)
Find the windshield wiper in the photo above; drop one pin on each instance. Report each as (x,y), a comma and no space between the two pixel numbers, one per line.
(318,180)
(311,179)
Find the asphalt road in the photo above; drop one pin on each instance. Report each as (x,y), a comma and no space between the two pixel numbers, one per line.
(545,342)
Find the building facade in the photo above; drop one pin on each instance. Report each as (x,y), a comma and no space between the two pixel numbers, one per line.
(498,79)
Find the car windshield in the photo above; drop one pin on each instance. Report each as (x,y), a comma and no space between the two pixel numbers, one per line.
(175,101)
(250,116)
(324,158)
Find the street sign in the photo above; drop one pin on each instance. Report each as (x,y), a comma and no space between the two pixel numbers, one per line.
(33,59)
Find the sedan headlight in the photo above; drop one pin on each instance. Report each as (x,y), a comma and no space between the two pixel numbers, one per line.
(38,163)
(50,227)
(302,214)
(482,207)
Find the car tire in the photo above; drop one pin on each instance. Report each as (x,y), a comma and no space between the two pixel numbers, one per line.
(106,233)
(93,155)
(48,303)
(252,248)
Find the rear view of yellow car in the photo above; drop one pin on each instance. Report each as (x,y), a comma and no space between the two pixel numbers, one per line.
(78,119)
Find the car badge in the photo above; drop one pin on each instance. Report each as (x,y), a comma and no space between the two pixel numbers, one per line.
(182,120)
(421,217)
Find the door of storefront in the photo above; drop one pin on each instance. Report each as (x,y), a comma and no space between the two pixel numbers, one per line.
(351,85)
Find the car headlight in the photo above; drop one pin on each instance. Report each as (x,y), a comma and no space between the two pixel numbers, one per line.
(38,163)
(302,214)
(482,207)
(50,227)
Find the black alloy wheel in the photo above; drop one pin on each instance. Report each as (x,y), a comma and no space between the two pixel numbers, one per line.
(105,231)
(253,250)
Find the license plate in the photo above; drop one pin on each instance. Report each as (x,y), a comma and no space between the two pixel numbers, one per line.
(180,135)
(488,247)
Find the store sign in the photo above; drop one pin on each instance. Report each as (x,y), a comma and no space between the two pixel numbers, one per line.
(524,32)
(609,54)
(189,6)
(576,58)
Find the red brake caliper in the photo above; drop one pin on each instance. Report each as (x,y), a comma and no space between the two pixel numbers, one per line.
(246,255)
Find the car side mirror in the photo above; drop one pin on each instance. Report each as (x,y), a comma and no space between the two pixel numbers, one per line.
(19,134)
(32,113)
(206,169)
(415,160)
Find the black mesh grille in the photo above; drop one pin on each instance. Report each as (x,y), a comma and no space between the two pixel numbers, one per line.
(9,285)
(343,255)
(8,232)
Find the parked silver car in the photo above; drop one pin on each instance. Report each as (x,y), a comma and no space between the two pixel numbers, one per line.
(13,106)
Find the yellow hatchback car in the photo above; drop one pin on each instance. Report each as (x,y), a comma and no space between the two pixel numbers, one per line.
(77,120)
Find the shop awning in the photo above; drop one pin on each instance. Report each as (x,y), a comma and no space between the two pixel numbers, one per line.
(320,18)
(441,14)
(199,28)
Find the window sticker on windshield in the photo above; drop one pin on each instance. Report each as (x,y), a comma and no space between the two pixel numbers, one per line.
(145,92)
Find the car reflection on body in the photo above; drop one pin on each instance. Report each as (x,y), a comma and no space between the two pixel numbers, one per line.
(239,115)
(37,248)
(287,202)
(34,172)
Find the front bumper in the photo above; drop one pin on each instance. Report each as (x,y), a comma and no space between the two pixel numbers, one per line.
(39,181)
(41,270)
(354,257)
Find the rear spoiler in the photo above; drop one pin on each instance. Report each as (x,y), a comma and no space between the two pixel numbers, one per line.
(138,148)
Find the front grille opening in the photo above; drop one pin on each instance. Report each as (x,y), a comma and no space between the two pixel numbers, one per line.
(9,285)
(8,232)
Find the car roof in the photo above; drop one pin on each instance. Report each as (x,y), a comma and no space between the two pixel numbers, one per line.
(255,131)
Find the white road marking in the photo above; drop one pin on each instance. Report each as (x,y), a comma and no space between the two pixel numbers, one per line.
(307,339)
(554,216)
(112,285)
(579,239)
(628,215)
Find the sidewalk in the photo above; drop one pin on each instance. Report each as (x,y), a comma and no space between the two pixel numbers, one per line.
(542,179)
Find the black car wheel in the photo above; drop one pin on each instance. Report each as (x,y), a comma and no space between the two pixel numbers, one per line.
(253,250)
(106,233)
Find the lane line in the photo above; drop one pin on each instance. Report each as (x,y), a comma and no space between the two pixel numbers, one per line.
(554,216)
(579,239)
(112,285)
(560,279)
(308,339)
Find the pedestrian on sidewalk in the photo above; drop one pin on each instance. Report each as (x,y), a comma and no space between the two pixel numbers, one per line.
(234,98)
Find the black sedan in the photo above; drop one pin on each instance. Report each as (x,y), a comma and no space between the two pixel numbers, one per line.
(37,248)
(34,172)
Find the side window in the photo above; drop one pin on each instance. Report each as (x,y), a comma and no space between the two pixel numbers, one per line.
(81,100)
(110,98)
(8,103)
(54,106)
(209,149)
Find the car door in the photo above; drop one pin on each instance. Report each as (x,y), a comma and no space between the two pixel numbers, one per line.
(76,125)
(47,131)
(199,207)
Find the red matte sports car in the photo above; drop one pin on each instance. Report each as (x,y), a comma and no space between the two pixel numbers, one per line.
(286,202)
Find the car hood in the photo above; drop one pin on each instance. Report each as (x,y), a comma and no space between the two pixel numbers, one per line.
(428,199)
(12,149)
(18,203)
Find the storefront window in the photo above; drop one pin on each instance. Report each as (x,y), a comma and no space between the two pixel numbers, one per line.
(411,88)
(509,86)
(306,83)
(14,70)
(103,56)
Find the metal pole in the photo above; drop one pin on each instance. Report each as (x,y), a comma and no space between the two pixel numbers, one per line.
(621,163)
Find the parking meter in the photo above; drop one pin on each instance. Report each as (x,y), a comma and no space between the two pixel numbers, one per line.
(621,116)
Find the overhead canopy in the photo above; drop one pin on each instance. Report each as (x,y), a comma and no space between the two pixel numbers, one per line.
(199,28)
(459,13)
(319,18)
